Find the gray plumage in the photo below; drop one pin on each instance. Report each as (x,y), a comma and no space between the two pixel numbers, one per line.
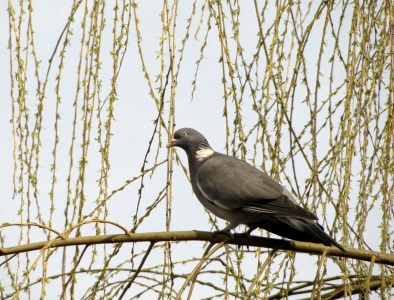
(241,194)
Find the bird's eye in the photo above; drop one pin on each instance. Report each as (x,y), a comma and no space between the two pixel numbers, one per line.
(184,133)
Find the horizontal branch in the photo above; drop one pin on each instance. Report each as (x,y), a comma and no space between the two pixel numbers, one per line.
(239,239)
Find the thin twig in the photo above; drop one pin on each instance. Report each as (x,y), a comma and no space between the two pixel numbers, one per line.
(138,270)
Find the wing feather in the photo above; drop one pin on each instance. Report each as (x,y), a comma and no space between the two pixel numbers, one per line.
(232,184)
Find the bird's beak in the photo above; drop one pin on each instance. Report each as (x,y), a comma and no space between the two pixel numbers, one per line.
(172,143)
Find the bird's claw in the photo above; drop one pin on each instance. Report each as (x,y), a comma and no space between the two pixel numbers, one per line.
(227,232)
(248,235)
(249,231)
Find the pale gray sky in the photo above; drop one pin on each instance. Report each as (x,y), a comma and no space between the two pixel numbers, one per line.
(133,125)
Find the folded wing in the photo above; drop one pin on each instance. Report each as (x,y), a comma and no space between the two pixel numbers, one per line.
(234,184)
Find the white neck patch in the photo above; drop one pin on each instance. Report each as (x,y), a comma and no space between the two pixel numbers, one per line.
(204,153)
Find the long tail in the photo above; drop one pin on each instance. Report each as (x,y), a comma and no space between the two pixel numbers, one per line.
(301,230)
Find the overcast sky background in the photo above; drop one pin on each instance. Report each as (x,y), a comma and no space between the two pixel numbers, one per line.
(135,112)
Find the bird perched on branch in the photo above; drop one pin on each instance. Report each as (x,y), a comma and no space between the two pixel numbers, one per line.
(236,191)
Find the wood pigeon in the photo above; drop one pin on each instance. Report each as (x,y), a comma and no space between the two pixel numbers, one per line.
(236,191)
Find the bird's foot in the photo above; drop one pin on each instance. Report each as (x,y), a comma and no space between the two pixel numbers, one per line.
(249,231)
(225,231)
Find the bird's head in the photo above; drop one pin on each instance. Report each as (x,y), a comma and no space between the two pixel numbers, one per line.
(190,140)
